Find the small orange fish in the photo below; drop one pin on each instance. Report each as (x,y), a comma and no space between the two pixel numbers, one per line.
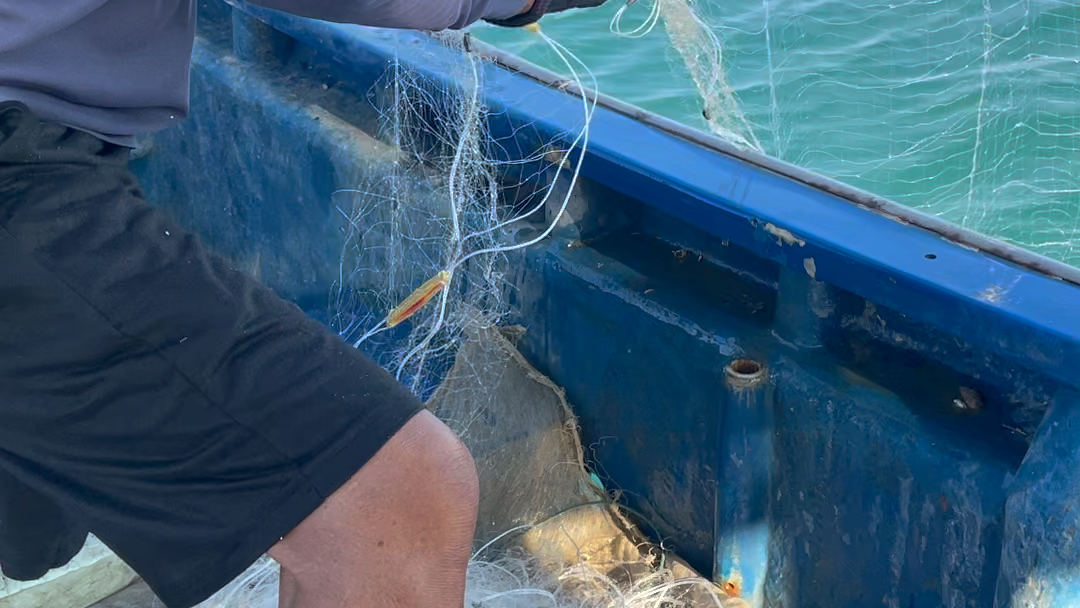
(418,299)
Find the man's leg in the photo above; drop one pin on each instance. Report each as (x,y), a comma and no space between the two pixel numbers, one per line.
(397,534)
(190,417)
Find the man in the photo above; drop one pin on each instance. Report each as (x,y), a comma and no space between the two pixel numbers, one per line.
(156,397)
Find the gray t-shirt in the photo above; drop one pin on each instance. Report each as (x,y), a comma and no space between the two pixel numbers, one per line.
(119,68)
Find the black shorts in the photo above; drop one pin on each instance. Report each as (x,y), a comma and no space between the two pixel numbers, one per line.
(150,393)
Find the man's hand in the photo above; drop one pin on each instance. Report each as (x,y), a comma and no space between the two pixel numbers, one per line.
(538,8)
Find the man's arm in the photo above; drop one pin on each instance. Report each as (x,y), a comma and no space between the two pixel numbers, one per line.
(428,15)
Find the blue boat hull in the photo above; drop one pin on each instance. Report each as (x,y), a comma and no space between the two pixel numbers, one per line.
(913,443)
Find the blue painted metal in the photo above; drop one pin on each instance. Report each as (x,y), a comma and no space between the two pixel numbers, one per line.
(745,465)
(256,41)
(883,489)
(1040,561)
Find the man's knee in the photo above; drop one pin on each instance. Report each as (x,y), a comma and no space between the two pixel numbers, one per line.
(428,448)
(428,463)
(417,495)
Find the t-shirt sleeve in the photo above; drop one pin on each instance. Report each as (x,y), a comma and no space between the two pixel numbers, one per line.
(429,15)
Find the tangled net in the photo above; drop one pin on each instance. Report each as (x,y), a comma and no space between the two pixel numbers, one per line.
(515,581)
(702,54)
(424,254)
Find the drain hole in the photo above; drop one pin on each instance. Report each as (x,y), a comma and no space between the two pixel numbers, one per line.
(745,368)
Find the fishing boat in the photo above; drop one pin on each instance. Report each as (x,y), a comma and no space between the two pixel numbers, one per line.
(811,394)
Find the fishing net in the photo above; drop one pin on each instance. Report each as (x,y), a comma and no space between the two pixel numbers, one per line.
(437,227)
(519,430)
(702,56)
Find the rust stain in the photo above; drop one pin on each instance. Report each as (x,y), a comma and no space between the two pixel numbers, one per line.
(732,587)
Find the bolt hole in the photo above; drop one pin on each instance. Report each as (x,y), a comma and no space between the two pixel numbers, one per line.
(930,256)
(745,367)
(732,588)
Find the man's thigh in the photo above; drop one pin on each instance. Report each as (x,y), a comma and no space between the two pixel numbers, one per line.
(189,416)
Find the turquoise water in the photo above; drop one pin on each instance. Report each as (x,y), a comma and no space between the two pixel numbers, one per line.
(965,110)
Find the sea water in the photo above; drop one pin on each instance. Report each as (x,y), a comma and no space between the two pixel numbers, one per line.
(967,110)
